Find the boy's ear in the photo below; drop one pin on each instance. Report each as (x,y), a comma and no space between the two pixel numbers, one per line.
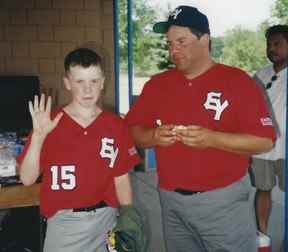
(102,83)
(66,82)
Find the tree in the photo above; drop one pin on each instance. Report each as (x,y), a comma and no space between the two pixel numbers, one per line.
(145,43)
(244,49)
(217,48)
(280,11)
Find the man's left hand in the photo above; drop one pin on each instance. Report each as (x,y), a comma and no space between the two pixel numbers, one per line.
(195,136)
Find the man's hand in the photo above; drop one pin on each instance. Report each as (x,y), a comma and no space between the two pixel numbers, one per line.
(244,144)
(164,135)
(40,113)
(194,136)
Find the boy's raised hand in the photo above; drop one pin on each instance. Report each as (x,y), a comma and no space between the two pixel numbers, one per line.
(40,113)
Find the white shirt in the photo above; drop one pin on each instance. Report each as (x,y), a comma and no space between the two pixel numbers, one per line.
(277,101)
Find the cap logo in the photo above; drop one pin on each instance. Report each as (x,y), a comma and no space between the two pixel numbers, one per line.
(175,13)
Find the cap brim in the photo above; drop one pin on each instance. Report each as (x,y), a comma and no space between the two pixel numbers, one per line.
(161,27)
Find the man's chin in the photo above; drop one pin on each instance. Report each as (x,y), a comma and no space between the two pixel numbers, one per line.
(273,58)
(180,67)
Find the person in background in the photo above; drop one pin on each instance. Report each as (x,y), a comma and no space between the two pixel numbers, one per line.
(273,79)
(83,155)
(204,120)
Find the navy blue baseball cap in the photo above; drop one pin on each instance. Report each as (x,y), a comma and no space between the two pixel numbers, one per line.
(185,16)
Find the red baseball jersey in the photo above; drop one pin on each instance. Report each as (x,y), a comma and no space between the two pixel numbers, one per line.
(78,165)
(222,99)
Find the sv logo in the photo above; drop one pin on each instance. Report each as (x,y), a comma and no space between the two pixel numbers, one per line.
(175,13)
(108,151)
(213,102)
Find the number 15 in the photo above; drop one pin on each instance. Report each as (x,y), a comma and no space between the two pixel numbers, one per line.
(63,177)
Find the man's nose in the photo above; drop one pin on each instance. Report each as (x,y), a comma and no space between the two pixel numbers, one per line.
(270,48)
(174,48)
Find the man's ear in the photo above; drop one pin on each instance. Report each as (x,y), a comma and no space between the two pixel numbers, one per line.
(66,82)
(205,39)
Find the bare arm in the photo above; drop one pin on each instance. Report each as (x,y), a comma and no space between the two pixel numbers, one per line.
(198,137)
(29,168)
(123,189)
(42,126)
(149,137)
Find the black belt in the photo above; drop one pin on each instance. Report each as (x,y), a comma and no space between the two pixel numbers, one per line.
(100,204)
(186,192)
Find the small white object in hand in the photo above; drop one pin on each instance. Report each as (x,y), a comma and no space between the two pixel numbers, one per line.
(158,122)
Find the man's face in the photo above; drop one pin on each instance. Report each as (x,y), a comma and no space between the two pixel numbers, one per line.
(85,84)
(185,48)
(277,49)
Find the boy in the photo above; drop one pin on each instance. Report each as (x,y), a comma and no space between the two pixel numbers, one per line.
(83,155)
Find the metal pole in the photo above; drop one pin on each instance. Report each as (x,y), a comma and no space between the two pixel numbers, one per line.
(285,172)
(116,54)
(130,50)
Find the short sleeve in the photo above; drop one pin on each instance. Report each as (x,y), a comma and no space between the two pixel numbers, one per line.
(128,155)
(254,116)
(142,112)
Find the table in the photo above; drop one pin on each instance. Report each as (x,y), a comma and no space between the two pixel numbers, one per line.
(22,203)
(19,196)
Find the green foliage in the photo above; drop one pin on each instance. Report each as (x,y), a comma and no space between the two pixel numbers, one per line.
(244,49)
(147,46)
(239,47)
(217,48)
(280,11)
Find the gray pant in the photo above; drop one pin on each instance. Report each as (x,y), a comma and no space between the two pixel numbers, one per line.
(264,173)
(219,220)
(69,231)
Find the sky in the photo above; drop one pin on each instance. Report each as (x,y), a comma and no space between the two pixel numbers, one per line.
(223,15)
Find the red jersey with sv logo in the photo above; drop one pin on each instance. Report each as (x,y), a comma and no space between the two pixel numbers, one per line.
(222,99)
(79,164)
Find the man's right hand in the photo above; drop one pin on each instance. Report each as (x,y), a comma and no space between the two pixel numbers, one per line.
(164,135)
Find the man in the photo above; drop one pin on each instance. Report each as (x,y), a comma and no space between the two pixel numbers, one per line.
(204,121)
(273,78)
(83,155)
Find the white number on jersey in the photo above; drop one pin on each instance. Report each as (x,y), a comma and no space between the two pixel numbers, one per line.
(63,177)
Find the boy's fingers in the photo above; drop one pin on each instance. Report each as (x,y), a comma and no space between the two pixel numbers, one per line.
(42,102)
(31,110)
(48,105)
(36,103)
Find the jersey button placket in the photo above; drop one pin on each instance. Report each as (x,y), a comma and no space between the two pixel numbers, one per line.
(85,133)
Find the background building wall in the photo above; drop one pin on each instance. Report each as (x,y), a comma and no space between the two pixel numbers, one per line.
(35,35)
